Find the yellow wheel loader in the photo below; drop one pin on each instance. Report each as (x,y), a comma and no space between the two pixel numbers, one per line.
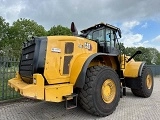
(86,68)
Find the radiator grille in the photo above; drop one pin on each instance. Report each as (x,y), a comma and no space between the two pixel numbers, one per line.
(32,58)
(26,63)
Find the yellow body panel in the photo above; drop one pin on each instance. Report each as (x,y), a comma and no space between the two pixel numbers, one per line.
(29,90)
(132,69)
(56,92)
(55,60)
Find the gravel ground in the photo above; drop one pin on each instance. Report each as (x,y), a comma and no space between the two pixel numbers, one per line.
(130,108)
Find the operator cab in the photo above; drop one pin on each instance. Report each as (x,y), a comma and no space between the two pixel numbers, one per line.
(106,37)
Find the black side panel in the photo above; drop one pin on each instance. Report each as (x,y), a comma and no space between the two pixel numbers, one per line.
(32,58)
(41,56)
(67,60)
(133,83)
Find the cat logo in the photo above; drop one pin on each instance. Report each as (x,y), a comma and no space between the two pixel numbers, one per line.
(87,46)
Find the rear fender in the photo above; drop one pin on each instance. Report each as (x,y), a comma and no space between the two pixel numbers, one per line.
(77,66)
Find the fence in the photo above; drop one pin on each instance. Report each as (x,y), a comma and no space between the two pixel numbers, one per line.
(155,69)
(8,68)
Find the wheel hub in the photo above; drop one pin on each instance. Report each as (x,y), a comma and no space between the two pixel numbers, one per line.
(108,91)
(149,81)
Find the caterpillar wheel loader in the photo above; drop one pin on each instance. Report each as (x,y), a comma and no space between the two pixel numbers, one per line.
(86,68)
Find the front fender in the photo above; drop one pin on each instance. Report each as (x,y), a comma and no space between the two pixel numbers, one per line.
(133,69)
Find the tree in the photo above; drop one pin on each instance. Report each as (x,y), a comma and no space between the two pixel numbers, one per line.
(4,27)
(130,51)
(21,29)
(158,60)
(154,56)
(121,47)
(150,55)
(59,30)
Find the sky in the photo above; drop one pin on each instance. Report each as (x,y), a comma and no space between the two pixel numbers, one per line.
(139,20)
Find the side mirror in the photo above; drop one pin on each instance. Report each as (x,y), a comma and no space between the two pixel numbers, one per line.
(119,33)
(74,29)
(137,52)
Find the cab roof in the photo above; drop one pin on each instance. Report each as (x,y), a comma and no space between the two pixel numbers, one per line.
(99,26)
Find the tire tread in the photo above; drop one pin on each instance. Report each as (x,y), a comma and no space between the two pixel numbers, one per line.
(142,92)
(85,95)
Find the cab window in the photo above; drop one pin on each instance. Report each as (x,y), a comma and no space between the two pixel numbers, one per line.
(110,37)
(103,35)
(89,36)
(99,35)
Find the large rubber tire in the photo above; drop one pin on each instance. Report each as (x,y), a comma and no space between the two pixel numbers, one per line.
(146,88)
(91,95)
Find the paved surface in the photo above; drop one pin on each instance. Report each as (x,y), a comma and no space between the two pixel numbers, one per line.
(129,108)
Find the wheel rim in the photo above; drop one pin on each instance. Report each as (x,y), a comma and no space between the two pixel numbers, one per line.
(108,91)
(149,81)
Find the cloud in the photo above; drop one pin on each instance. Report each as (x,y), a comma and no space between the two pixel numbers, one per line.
(145,25)
(155,43)
(83,13)
(128,26)
(129,38)
(10,10)
(151,43)
(132,40)
(127,13)
(156,39)
(158,48)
